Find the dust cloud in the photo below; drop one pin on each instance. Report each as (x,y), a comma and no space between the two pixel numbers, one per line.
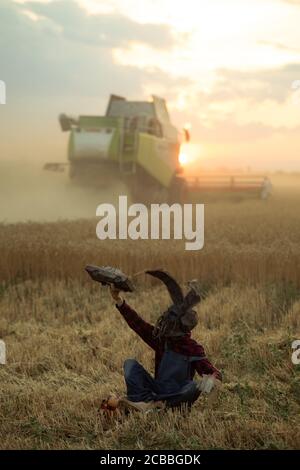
(29,193)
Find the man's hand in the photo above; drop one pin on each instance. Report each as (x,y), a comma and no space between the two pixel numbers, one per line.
(115,293)
(209,382)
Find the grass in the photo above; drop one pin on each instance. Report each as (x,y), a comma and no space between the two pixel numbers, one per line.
(66,342)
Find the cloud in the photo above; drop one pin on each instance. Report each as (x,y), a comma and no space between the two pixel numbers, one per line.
(39,60)
(213,112)
(106,30)
(66,57)
(47,73)
(279,45)
(255,86)
(292,2)
(226,131)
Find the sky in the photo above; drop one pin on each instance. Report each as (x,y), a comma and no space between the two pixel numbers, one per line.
(230,68)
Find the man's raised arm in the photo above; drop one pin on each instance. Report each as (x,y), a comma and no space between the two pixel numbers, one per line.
(134,321)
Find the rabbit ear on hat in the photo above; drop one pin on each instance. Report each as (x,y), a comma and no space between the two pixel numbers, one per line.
(193,297)
(173,287)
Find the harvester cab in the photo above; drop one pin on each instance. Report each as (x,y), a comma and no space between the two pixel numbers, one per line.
(134,141)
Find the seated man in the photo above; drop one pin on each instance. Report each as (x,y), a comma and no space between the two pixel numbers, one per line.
(177,355)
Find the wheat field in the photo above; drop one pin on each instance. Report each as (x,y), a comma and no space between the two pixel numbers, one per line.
(66,342)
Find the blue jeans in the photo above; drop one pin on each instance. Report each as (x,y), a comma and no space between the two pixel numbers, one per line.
(141,386)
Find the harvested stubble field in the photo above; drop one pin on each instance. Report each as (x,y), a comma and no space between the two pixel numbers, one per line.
(66,342)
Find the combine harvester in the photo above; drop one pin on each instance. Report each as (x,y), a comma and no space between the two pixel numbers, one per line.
(135,143)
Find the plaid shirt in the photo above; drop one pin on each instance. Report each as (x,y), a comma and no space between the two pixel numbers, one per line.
(182,345)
